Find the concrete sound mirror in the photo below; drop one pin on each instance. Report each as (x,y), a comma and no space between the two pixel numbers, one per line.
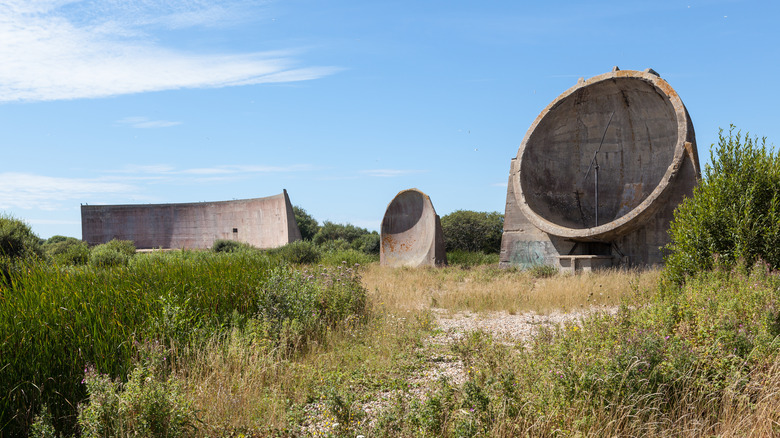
(411,233)
(599,174)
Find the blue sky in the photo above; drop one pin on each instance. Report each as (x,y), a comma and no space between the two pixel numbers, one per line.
(342,103)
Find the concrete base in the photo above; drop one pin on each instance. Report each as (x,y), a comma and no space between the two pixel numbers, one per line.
(571,264)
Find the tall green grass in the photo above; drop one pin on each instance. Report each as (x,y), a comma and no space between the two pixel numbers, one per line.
(56,321)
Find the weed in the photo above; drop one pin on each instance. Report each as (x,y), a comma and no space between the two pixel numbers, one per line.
(144,406)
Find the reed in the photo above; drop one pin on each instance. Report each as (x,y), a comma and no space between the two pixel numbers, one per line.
(55,322)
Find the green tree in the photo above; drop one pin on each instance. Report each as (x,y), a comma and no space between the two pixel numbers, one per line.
(306,223)
(367,243)
(468,230)
(332,231)
(734,215)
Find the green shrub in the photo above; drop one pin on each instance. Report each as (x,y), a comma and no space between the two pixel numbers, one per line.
(126,247)
(299,252)
(367,243)
(66,250)
(467,230)
(223,245)
(734,215)
(349,257)
(17,241)
(111,254)
(144,406)
(103,256)
(334,245)
(306,223)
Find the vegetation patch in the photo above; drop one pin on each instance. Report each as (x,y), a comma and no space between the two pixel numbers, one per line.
(55,322)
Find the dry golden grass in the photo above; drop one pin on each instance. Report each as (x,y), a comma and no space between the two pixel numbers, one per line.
(762,417)
(752,413)
(489,288)
(235,384)
(240,385)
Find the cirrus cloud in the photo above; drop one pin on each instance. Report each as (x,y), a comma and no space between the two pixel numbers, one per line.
(55,50)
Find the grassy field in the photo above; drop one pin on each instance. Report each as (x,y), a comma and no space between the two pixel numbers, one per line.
(489,288)
(203,344)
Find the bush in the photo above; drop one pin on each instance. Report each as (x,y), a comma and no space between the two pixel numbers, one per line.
(467,230)
(112,253)
(66,250)
(103,257)
(334,245)
(349,257)
(367,243)
(126,247)
(222,245)
(17,241)
(300,252)
(17,245)
(306,223)
(734,215)
(144,406)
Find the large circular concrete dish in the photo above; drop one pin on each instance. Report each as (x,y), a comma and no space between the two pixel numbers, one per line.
(411,232)
(628,130)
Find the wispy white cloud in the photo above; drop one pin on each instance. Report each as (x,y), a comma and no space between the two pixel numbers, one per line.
(145,122)
(29,191)
(69,49)
(501,184)
(388,173)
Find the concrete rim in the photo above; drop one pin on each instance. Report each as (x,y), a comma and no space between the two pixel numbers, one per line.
(641,212)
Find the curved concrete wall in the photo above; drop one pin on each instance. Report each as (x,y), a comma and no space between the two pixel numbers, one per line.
(261,222)
(411,233)
(631,130)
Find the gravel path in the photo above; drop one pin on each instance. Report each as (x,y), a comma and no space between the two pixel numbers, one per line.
(504,327)
(518,328)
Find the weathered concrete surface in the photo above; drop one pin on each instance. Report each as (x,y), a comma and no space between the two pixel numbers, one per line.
(411,233)
(261,222)
(647,163)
